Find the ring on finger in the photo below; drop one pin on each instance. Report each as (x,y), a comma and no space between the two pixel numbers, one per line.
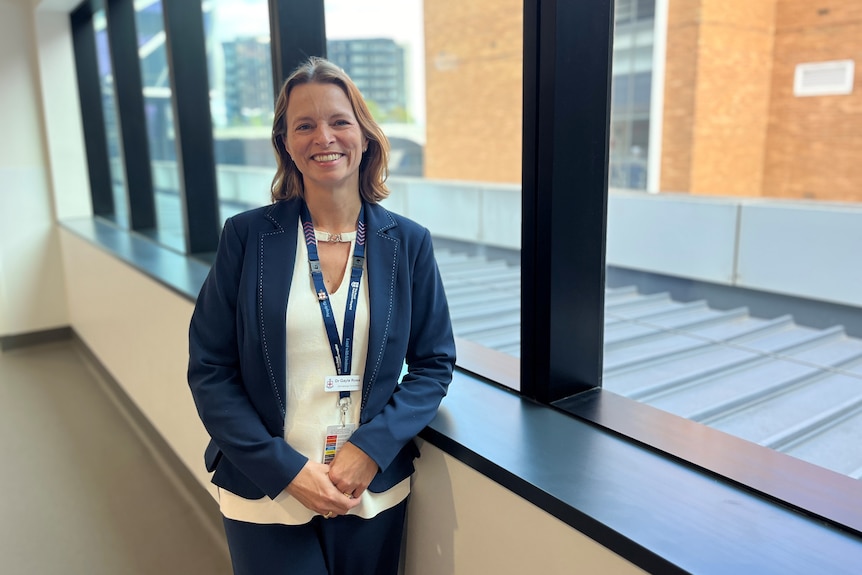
(348,495)
(328,515)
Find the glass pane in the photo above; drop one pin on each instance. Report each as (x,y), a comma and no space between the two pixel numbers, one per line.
(241,101)
(112,129)
(444,80)
(732,294)
(155,80)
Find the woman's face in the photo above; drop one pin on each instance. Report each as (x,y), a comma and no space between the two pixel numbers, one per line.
(323,138)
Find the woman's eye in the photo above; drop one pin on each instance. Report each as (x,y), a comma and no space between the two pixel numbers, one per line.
(303,127)
(342,123)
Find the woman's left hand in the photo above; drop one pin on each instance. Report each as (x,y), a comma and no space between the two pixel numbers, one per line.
(352,470)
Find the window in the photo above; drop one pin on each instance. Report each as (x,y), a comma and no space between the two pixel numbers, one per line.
(631,99)
(155,80)
(729,298)
(241,100)
(112,129)
(455,129)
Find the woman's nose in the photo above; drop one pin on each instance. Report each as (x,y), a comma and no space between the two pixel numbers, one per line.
(324,135)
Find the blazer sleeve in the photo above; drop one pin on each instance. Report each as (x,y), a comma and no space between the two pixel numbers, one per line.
(216,380)
(430,361)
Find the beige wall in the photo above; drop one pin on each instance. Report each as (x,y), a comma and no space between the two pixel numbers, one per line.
(138,329)
(473,89)
(31,279)
(814,147)
(461,522)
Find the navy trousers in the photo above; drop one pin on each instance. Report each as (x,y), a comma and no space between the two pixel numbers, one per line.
(343,545)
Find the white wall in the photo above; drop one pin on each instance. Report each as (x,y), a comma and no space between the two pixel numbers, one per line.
(488,214)
(31,280)
(61,108)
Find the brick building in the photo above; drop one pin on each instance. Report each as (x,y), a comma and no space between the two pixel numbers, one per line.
(730,122)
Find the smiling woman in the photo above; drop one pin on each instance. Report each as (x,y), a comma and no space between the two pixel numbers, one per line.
(324,139)
(319,101)
(297,347)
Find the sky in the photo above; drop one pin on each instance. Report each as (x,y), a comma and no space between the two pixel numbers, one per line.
(398,19)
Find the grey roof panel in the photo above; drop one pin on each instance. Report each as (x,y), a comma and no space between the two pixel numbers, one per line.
(793,388)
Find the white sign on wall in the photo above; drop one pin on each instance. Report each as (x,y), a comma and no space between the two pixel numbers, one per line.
(824,78)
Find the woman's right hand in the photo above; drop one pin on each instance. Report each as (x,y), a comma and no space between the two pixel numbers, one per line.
(313,488)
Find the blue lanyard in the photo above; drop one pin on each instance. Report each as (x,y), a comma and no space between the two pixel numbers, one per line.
(342,350)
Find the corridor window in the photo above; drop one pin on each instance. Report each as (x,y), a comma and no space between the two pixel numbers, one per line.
(732,295)
(112,125)
(453,116)
(242,101)
(156,85)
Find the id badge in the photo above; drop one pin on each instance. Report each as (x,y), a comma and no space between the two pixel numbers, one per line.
(342,383)
(336,436)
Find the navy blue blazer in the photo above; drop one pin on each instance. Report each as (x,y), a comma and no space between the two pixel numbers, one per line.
(237,349)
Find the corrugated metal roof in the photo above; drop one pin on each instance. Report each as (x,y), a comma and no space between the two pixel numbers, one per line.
(792,388)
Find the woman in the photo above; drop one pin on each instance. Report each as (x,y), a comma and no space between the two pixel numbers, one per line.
(298,341)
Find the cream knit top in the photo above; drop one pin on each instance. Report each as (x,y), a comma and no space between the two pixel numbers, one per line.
(309,408)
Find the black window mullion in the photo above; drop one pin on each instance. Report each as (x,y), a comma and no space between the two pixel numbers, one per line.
(126,68)
(92,113)
(187,61)
(297,31)
(567,79)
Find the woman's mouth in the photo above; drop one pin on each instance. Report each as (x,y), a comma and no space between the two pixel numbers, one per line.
(326,157)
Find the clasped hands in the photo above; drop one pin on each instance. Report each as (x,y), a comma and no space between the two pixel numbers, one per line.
(336,488)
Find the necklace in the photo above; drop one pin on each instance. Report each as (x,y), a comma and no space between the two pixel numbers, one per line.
(326,237)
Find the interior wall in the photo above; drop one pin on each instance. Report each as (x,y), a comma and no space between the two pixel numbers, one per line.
(138,330)
(31,280)
(61,109)
(461,522)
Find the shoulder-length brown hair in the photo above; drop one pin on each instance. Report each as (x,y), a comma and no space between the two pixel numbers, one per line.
(373,169)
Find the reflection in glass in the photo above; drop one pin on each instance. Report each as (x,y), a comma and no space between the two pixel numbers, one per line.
(112,130)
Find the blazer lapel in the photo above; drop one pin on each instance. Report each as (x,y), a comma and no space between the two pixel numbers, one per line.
(382,261)
(277,255)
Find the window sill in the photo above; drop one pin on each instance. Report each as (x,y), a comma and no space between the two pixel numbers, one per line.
(661,513)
